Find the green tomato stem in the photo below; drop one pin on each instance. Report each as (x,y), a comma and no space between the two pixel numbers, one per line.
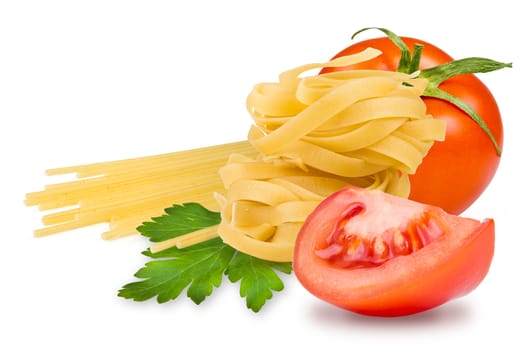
(416,58)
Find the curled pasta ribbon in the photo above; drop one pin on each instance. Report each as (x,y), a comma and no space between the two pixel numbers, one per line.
(262,211)
(316,135)
(353,123)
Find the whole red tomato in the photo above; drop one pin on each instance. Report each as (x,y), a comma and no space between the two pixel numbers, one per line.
(456,171)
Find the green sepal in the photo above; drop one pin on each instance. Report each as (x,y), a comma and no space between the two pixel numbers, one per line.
(471,65)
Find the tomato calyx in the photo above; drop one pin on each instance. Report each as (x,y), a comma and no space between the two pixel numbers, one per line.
(353,244)
(409,63)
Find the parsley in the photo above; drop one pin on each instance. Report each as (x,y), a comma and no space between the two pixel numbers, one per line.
(180,219)
(199,268)
(258,278)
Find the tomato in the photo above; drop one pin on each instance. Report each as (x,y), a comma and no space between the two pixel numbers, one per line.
(378,254)
(455,172)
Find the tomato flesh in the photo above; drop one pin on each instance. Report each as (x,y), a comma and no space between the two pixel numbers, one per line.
(346,247)
(377,254)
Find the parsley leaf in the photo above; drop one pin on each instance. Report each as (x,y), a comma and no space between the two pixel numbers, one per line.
(180,219)
(199,268)
(258,278)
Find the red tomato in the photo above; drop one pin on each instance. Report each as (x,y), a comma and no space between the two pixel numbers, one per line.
(456,171)
(377,254)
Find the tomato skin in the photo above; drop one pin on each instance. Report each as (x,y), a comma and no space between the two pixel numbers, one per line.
(447,268)
(455,172)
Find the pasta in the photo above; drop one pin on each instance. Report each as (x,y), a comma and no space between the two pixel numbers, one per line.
(126,193)
(319,134)
(262,216)
(310,137)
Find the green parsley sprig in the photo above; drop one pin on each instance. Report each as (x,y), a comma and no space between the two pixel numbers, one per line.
(201,267)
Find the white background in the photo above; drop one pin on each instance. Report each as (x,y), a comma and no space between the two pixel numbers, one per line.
(87,81)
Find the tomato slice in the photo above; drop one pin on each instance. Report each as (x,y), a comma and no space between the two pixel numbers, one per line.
(377,254)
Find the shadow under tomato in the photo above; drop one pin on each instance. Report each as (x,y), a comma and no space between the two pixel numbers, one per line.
(454,312)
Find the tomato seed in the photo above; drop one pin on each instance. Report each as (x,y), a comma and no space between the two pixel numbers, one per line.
(380,249)
(400,243)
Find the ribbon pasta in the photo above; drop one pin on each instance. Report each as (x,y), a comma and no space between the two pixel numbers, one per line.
(315,136)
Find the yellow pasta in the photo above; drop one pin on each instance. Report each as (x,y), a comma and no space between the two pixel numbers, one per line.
(186,240)
(255,213)
(125,193)
(310,137)
(365,128)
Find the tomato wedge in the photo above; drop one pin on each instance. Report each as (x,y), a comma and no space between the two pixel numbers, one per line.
(377,254)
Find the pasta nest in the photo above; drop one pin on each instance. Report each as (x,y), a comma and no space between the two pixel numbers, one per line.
(316,135)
